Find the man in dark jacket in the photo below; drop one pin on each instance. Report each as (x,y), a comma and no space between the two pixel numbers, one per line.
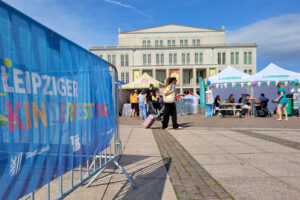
(149,93)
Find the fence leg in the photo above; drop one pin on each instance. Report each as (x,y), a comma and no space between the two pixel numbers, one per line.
(94,178)
(126,174)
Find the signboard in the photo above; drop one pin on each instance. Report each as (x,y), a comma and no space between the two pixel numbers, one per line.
(56,105)
(175,73)
(202,93)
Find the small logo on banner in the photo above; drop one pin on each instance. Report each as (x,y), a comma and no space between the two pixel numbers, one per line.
(15,164)
(75,142)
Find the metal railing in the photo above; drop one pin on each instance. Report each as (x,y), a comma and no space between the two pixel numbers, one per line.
(186,107)
(94,165)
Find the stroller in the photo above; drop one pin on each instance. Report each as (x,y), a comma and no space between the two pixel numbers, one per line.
(261,110)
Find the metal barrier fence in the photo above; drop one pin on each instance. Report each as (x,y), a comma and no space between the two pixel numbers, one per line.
(96,164)
(186,107)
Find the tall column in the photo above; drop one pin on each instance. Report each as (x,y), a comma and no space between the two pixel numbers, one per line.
(154,73)
(181,80)
(194,80)
(207,73)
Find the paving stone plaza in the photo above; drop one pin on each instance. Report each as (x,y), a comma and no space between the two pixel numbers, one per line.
(249,160)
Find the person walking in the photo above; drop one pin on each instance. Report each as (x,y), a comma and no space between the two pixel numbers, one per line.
(170,104)
(282,102)
(134,103)
(149,94)
(142,104)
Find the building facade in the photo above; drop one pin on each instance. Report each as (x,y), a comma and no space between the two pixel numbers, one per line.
(174,50)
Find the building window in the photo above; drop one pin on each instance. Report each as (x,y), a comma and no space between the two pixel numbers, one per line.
(175,58)
(157,59)
(194,42)
(173,42)
(169,42)
(126,60)
(187,76)
(170,59)
(156,43)
(188,58)
(183,58)
(186,42)
(181,42)
(127,77)
(198,42)
(144,59)
(109,58)
(122,60)
(101,56)
(219,58)
(232,58)
(149,59)
(201,58)
(114,60)
(198,58)
(250,71)
(122,77)
(250,58)
(200,73)
(161,76)
(148,43)
(144,43)
(161,43)
(223,58)
(162,59)
(245,58)
(237,58)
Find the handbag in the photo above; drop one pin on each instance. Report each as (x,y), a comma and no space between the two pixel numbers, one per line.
(169,98)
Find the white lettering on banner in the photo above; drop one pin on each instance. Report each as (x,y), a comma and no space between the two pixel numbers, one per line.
(75,142)
(4,80)
(37,151)
(25,82)
(18,81)
(15,164)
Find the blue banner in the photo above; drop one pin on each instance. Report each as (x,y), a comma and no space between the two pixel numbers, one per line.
(202,93)
(56,104)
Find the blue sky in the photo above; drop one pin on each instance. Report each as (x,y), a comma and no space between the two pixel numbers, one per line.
(273,24)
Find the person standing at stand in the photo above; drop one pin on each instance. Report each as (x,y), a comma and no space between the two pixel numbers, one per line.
(170,104)
(149,93)
(134,103)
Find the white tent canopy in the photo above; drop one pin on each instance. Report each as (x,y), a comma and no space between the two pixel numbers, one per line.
(274,73)
(229,74)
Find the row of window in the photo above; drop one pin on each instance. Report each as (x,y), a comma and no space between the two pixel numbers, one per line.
(147,43)
(234,58)
(125,77)
(112,59)
(185,59)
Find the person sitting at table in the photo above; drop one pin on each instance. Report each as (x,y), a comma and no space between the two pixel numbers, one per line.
(217,103)
(246,101)
(242,96)
(262,98)
(231,100)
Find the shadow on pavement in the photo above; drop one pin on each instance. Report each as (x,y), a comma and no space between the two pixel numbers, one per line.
(150,179)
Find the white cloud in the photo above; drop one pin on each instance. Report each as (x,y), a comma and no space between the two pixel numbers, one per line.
(128,6)
(278,38)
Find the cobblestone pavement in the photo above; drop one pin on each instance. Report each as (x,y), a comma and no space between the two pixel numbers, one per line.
(189,179)
(197,120)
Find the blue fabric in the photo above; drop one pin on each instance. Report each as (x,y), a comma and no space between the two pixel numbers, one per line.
(141,98)
(56,104)
(283,99)
(261,98)
(142,110)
